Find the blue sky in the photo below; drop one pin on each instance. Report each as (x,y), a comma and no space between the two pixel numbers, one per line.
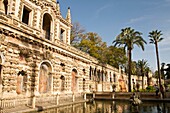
(108,17)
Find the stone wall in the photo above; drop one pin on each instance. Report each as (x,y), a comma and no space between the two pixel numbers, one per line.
(33,66)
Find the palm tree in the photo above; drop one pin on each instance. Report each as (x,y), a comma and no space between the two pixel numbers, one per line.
(128,38)
(142,66)
(155,37)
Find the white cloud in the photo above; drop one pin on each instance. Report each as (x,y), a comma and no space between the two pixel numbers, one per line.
(134,20)
(101,9)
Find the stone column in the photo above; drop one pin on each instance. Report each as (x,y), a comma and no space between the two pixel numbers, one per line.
(113,95)
(85,96)
(93,95)
(33,101)
(57,99)
(73,97)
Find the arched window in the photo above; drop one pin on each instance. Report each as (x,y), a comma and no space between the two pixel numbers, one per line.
(6,6)
(45,78)
(62,83)
(47,26)
(74,80)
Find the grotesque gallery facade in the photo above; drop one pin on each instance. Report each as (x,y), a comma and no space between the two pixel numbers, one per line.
(37,60)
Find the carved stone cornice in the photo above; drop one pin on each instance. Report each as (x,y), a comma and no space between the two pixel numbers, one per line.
(50,46)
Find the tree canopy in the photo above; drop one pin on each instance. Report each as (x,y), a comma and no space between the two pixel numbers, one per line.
(92,44)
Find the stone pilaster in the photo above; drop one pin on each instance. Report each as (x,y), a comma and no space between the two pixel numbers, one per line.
(2,8)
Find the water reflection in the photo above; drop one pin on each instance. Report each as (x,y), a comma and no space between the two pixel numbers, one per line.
(112,107)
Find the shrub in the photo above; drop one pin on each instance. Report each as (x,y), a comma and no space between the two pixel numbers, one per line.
(150,89)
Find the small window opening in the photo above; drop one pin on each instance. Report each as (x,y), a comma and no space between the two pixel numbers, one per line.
(90,74)
(62,66)
(62,82)
(84,84)
(62,33)
(84,71)
(25,17)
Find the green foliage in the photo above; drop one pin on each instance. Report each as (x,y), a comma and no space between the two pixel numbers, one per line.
(115,56)
(92,44)
(150,89)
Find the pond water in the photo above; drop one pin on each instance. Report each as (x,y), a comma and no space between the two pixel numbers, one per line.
(112,107)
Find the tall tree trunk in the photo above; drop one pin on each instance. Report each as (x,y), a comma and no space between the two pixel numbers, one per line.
(129,70)
(157,55)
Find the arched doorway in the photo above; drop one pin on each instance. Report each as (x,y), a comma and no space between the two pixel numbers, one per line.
(47,26)
(45,78)
(74,81)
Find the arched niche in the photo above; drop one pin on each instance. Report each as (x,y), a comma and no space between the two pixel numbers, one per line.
(62,78)
(45,78)
(75,84)
(21,82)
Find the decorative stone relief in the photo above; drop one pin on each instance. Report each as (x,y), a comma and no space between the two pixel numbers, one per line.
(24,52)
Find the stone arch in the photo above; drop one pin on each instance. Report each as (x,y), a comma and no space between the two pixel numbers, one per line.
(45,77)
(75,84)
